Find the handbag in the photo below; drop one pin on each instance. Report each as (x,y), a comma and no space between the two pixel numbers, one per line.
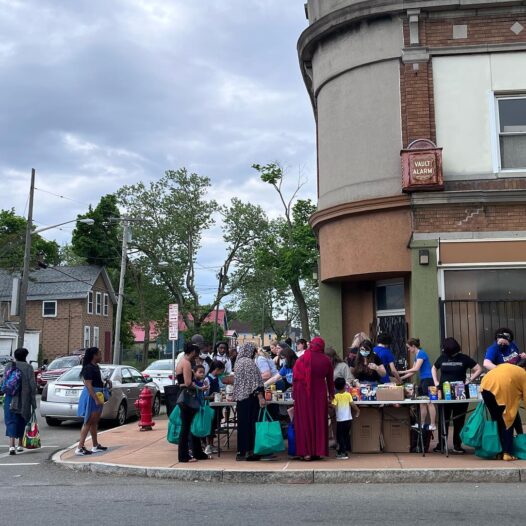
(471,433)
(490,446)
(519,446)
(31,439)
(268,435)
(202,423)
(291,440)
(188,397)
(174,426)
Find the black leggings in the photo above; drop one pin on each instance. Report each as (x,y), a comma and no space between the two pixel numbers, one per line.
(457,412)
(343,435)
(247,415)
(187,415)
(496,411)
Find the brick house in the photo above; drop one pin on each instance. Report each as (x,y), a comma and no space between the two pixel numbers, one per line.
(72,307)
(386,76)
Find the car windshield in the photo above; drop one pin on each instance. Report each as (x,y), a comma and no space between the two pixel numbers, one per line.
(64,363)
(160,365)
(73,375)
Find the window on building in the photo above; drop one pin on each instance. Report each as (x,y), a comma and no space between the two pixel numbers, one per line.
(390,296)
(87,336)
(90,302)
(96,336)
(106,305)
(98,303)
(512,132)
(49,309)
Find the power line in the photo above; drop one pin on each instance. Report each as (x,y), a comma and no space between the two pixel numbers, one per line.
(62,197)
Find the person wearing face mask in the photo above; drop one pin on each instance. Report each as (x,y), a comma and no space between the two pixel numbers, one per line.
(221,355)
(368,367)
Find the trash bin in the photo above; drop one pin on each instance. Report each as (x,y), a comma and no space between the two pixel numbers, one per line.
(171,392)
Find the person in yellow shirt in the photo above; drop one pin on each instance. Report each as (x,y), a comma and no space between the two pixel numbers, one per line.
(344,405)
(503,388)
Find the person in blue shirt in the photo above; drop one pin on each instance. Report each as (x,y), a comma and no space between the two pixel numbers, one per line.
(383,351)
(503,350)
(284,377)
(422,366)
(215,385)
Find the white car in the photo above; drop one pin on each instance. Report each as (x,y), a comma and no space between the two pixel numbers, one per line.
(161,373)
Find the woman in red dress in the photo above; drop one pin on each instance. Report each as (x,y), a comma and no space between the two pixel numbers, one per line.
(313,388)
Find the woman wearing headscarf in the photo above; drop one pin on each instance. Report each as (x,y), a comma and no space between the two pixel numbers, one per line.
(313,388)
(249,395)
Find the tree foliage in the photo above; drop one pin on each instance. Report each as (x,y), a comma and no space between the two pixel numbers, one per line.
(99,243)
(12,243)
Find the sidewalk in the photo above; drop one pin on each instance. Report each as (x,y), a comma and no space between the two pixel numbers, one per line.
(132,452)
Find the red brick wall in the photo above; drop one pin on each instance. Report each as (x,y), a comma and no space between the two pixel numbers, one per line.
(469,218)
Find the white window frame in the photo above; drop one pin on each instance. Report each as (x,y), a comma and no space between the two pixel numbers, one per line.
(49,315)
(497,133)
(90,302)
(96,336)
(106,304)
(98,303)
(87,336)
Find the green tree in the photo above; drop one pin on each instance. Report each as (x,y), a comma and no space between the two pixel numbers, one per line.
(206,330)
(12,243)
(177,212)
(69,257)
(99,243)
(291,249)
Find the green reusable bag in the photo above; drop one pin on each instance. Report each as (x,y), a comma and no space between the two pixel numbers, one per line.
(174,426)
(519,446)
(490,446)
(268,435)
(202,422)
(471,433)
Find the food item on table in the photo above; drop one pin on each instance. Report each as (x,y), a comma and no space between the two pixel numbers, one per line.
(474,390)
(433,392)
(446,386)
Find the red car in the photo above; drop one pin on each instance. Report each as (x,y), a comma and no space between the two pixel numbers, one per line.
(57,368)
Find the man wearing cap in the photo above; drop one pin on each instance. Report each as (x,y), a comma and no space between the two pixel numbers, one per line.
(503,350)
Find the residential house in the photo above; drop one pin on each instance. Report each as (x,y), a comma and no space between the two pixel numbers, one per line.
(246,333)
(71,307)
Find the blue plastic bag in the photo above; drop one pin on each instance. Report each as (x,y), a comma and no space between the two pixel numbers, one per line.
(291,436)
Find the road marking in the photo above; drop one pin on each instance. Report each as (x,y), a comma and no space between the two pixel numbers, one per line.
(21,464)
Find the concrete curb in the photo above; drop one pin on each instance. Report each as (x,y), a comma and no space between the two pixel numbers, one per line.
(367,476)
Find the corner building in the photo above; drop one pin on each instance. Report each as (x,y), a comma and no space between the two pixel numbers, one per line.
(446,258)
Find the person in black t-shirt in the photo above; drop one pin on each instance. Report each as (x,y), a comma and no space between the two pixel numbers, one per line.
(453,366)
(368,368)
(91,401)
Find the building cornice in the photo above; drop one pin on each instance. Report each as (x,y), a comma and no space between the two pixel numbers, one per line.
(468,197)
(358,207)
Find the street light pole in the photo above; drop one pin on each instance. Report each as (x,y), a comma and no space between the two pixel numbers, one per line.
(118,315)
(25,272)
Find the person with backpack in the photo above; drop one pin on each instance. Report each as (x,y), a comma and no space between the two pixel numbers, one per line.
(20,388)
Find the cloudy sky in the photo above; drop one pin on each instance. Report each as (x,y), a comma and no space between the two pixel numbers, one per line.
(96,94)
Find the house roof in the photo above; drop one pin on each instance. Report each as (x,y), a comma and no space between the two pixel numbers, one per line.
(138,332)
(221,319)
(58,283)
(241,327)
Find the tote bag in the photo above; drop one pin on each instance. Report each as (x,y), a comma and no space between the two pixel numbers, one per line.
(202,422)
(471,433)
(291,442)
(268,435)
(519,446)
(490,446)
(31,439)
(174,426)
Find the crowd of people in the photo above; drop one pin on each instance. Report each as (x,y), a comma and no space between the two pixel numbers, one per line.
(318,379)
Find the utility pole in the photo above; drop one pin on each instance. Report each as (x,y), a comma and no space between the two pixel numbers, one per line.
(25,273)
(118,316)
(220,278)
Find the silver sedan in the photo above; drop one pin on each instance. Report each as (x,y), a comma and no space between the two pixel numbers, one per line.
(60,398)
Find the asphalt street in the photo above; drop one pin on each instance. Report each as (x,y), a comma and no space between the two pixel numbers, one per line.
(33,490)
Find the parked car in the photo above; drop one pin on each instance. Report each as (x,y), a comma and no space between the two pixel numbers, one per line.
(60,398)
(160,372)
(57,368)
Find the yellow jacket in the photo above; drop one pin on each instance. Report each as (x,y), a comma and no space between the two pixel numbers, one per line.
(507,382)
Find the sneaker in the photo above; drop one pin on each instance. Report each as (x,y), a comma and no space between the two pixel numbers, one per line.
(12,451)
(415,426)
(82,451)
(432,427)
(342,456)
(98,448)
(19,449)
(437,449)
(208,450)
(458,451)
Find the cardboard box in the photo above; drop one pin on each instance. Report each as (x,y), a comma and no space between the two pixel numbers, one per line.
(366,430)
(396,429)
(390,394)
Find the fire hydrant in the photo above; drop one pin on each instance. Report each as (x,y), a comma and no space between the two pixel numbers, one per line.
(144,406)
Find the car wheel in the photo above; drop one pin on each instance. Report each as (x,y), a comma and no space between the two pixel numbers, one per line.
(53,422)
(156,409)
(121,415)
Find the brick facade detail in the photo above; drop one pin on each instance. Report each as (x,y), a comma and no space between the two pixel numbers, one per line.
(469,218)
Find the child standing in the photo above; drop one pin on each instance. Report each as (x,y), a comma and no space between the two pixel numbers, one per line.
(217,368)
(344,405)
